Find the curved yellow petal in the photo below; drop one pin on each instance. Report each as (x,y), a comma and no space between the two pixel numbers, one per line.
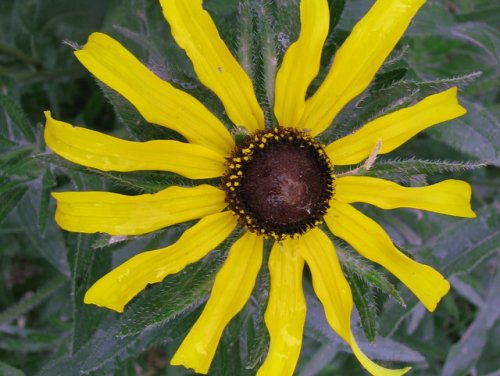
(451,197)
(194,31)
(158,101)
(301,63)
(334,293)
(286,310)
(371,241)
(119,286)
(396,128)
(117,214)
(358,59)
(106,153)
(232,288)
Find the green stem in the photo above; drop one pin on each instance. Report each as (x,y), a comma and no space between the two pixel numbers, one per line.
(20,55)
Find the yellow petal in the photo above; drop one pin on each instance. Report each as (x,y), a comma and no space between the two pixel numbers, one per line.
(301,62)
(396,128)
(371,241)
(195,32)
(119,286)
(358,59)
(117,214)
(334,293)
(450,197)
(372,367)
(97,150)
(158,101)
(232,288)
(286,310)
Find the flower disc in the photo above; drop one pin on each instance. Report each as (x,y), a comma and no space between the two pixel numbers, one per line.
(279,182)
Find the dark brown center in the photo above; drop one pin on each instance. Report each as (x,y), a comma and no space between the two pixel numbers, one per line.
(279,182)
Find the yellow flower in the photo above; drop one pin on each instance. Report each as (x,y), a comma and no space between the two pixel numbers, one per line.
(278,183)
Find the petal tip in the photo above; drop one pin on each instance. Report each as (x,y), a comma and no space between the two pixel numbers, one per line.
(91,297)
(181,361)
(441,290)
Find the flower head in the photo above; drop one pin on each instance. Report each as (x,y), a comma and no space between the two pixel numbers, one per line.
(278,182)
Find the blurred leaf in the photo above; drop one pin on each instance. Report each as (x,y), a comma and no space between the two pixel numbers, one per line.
(50,246)
(17,162)
(10,199)
(480,35)
(488,14)
(6,370)
(246,46)
(466,352)
(466,290)
(33,342)
(476,134)
(105,351)
(460,246)
(464,244)
(384,349)
(31,300)
(18,117)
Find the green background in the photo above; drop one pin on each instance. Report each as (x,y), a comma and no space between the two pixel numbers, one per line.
(44,327)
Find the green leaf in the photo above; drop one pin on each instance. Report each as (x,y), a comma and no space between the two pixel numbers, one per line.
(336,10)
(246,48)
(33,342)
(228,358)
(384,349)
(7,370)
(460,246)
(375,103)
(488,14)
(139,182)
(17,162)
(86,266)
(105,351)
(386,79)
(31,300)
(10,199)
(482,36)
(50,246)
(464,355)
(139,128)
(403,170)
(178,294)
(48,182)
(355,265)
(365,304)
(18,117)
(258,337)
(476,134)
(270,44)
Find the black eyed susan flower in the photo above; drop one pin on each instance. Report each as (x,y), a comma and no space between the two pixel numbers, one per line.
(278,182)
